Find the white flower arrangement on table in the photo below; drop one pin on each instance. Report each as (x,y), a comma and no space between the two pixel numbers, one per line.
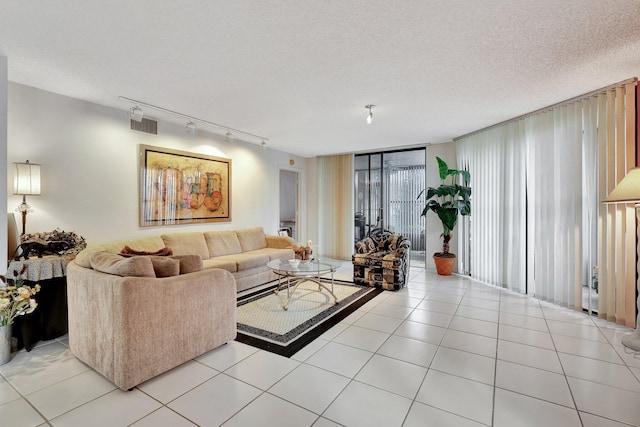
(16,299)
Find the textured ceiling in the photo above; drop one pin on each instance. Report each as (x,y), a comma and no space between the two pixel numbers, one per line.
(300,72)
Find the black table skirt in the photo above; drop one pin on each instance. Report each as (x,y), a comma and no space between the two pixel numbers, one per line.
(49,320)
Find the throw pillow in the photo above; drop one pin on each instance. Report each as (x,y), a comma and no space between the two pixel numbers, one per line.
(164,266)
(160,252)
(189,263)
(110,263)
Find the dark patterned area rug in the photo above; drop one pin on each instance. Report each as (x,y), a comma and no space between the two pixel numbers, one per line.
(264,324)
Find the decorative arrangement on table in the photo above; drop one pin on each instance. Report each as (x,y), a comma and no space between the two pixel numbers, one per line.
(447,200)
(66,244)
(304,253)
(15,300)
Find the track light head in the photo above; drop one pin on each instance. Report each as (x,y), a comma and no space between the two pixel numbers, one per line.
(191,126)
(136,114)
(228,138)
(263,145)
(370,115)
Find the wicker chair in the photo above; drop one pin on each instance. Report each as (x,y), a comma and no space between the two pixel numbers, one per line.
(382,260)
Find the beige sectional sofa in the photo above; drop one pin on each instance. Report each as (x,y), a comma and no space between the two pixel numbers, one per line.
(133,318)
(244,253)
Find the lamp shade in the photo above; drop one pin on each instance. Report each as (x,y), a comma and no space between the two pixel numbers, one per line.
(628,190)
(26,180)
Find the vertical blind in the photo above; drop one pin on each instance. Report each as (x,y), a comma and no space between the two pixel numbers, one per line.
(537,185)
(401,185)
(336,206)
(616,224)
(495,158)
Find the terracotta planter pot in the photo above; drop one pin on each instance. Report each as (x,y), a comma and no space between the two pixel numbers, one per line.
(444,265)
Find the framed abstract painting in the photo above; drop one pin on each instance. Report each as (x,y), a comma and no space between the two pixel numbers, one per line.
(179,187)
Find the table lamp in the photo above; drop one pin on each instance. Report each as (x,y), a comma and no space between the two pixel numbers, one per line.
(628,191)
(26,182)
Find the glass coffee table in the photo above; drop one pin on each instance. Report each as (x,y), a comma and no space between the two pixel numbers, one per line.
(296,274)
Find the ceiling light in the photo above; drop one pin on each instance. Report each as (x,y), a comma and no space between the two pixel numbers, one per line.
(228,138)
(370,115)
(191,126)
(136,114)
(263,145)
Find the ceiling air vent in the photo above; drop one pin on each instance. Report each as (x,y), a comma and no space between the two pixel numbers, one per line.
(146,126)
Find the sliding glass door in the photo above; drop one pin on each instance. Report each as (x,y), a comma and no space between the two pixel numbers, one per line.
(386,188)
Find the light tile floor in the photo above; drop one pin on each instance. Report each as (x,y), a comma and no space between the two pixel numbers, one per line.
(444,351)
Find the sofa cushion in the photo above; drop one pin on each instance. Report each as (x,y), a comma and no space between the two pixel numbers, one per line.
(225,264)
(222,243)
(110,263)
(83,259)
(147,244)
(164,266)
(189,263)
(251,239)
(274,253)
(246,261)
(187,244)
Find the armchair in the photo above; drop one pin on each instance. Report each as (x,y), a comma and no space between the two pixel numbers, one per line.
(382,260)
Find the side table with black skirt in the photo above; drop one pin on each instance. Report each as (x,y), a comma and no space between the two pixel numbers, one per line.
(49,320)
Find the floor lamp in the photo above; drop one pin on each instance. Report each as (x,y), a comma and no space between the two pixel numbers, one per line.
(628,191)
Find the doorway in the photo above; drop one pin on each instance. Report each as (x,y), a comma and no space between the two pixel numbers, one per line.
(289,196)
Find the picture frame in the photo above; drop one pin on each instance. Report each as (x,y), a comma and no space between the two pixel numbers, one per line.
(180,187)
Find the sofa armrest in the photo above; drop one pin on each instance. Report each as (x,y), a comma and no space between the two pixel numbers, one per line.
(279,242)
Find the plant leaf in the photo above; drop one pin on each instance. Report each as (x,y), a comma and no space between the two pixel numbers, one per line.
(465,192)
(443,169)
(432,192)
(447,190)
(449,218)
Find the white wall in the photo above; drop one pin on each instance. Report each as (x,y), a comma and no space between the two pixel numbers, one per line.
(433,243)
(89,160)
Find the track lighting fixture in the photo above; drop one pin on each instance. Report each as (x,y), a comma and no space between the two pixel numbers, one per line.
(228,138)
(136,114)
(370,115)
(191,126)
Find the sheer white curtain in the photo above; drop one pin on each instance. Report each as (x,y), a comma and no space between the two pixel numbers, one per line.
(336,213)
(496,234)
(537,184)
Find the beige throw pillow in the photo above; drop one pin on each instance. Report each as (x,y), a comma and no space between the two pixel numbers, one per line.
(188,263)
(164,266)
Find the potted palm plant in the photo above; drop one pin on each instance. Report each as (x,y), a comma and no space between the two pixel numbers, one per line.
(447,201)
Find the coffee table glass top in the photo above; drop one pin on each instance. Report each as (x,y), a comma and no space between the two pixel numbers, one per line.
(320,266)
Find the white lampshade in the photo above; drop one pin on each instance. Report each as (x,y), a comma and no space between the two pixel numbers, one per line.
(628,190)
(26,180)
